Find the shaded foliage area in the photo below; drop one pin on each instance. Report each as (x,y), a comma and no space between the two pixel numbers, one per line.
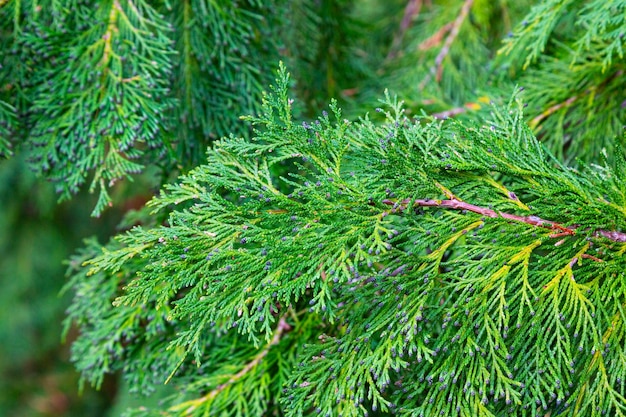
(36,236)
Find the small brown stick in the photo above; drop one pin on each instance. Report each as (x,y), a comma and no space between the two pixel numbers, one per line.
(191,405)
(411,11)
(437,68)
(452,36)
(436,38)
(586,255)
(487,212)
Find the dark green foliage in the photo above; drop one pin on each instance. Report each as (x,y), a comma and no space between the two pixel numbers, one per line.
(417,267)
(7,120)
(325,48)
(101,95)
(221,68)
(9,69)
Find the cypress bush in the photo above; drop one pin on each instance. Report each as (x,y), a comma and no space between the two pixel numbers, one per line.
(426,218)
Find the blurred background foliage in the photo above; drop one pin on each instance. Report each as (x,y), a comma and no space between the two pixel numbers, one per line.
(37,235)
(210,61)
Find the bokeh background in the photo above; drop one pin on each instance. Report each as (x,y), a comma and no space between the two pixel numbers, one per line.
(37,236)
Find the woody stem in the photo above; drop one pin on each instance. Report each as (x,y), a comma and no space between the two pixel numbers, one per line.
(455,204)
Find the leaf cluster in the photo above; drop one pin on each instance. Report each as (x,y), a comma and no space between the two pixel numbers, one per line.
(93,91)
(415,267)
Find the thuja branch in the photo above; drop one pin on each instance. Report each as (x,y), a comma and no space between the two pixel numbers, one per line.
(191,405)
(455,204)
(570,101)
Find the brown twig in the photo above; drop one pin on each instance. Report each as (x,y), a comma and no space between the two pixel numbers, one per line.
(452,36)
(411,11)
(436,38)
(191,405)
(535,121)
(454,204)
(437,68)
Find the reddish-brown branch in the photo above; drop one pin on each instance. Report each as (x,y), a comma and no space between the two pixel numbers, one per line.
(436,38)
(454,204)
(586,255)
(191,405)
(412,9)
(437,68)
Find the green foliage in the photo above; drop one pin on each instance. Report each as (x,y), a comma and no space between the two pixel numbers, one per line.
(325,49)
(439,55)
(99,94)
(221,68)
(99,89)
(8,66)
(7,119)
(343,264)
(574,55)
(411,266)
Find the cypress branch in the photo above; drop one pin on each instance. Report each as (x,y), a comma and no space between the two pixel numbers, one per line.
(112,65)
(532,220)
(500,293)
(345,263)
